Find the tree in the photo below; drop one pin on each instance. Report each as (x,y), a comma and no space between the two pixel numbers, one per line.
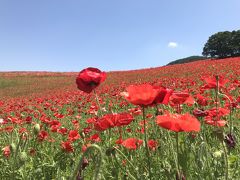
(236,42)
(223,44)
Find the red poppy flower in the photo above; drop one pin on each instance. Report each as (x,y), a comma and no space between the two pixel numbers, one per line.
(89,78)
(6,151)
(87,130)
(163,95)
(214,117)
(119,141)
(62,131)
(238,100)
(29,120)
(8,128)
(218,112)
(22,130)
(201,100)
(178,122)
(104,123)
(67,146)
(42,135)
(123,119)
(212,82)
(132,143)
(152,144)
(76,124)
(1,103)
(112,120)
(95,138)
(142,95)
(218,123)
(55,125)
(73,135)
(181,98)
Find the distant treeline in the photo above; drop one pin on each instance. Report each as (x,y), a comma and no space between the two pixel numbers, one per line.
(187,60)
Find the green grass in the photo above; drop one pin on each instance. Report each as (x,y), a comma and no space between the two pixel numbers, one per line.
(29,85)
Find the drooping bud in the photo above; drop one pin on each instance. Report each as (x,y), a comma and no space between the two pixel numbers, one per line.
(180,176)
(199,113)
(230,140)
(110,151)
(84,163)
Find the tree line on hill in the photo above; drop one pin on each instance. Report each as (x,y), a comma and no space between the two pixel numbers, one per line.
(187,60)
(220,45)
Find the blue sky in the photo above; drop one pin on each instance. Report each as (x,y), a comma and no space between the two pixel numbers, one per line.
(69,35)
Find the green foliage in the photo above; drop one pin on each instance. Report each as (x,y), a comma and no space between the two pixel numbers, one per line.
(187,60)
(223,44)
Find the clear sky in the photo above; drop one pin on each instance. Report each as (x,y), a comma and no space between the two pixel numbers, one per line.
(69,35)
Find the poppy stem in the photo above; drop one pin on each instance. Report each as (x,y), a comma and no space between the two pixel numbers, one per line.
(129,162)
(216,101)
(125,157)
(120,166)
(146,144)
(98,103)
(225,160)
(109,135)
(98,166)
(230,114)
(177,148)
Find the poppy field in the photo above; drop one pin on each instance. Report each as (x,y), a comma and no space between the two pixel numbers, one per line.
(171,122)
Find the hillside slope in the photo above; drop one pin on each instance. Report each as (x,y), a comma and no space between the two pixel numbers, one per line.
(187,60)
(20,84)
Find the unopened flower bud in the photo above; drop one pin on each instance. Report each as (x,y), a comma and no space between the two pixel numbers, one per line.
(219,134)
(36,129)
(230,140)
(13,148)
(110,151)
(217,154)
(199,113)
(84,163)
(23,156)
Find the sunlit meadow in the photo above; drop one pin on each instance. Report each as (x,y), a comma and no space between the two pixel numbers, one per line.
(173,122)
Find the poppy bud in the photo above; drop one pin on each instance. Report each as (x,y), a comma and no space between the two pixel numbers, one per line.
(158,112)
(84,163)
(219,134)
(13,148)
(38,171)
(180,176)
(82,134)
(36,129)
(110,151)
(23,156)
(79,177)
(183,177)
(199,113)
(230,140)
(217,154)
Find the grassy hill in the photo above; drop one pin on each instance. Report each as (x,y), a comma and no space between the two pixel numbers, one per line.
(187,60)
